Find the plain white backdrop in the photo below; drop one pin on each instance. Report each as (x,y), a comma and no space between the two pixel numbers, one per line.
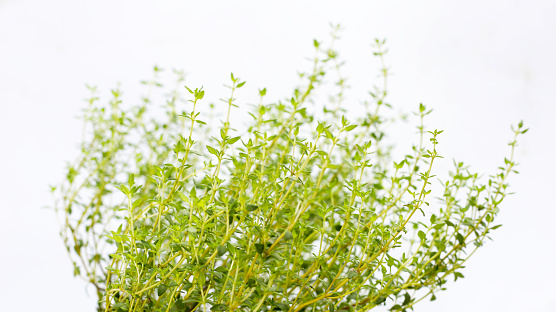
(481,64)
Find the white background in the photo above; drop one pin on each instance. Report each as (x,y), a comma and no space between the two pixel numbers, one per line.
(482,65)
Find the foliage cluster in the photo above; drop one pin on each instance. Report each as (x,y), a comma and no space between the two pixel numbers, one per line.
(303,211)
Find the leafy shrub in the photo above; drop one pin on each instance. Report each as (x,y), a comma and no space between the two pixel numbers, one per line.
(302,211)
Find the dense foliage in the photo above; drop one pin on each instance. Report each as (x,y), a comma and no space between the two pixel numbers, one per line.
(303,210)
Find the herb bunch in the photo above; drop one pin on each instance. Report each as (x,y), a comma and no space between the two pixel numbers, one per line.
(305,210)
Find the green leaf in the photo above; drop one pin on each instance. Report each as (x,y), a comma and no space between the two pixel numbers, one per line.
(199,94)
(137,203)
(259,248)
(330,306)
(161,290)
(124,189)
(422,235)
(221,250)
(489,218)
(173,284)
(315,43)
(231,248)
(233,140)
(131,179)
(349,128)
(288,235)
(218,307)
(213,151)
(406,299)
(251,207)
(201,278)
(240,84)
(460,239)
(183,197)
(193,192)
(422,108)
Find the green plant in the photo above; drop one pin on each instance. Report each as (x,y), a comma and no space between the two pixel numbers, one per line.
(302,211)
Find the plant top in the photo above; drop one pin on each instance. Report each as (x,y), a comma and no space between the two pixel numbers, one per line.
(304,210)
